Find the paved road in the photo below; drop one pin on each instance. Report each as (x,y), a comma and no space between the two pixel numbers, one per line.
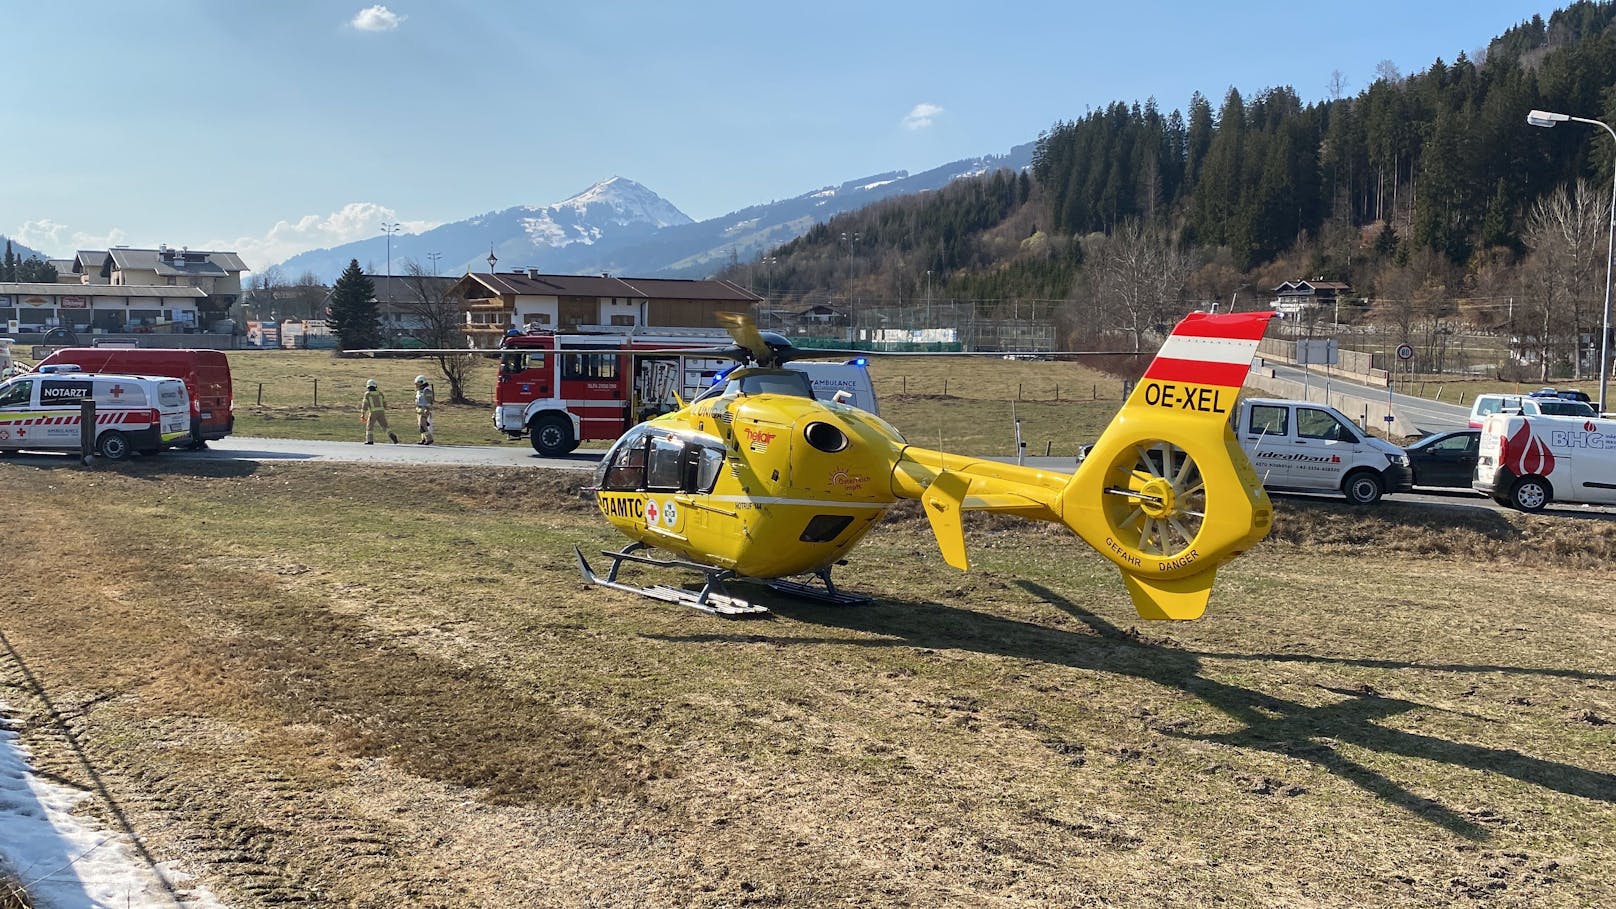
(1426,415)
(513,455)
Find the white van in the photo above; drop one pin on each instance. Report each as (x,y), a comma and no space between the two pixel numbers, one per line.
(849,379)
(141,413)
(1308,447)
(1531,405)
(1526,462)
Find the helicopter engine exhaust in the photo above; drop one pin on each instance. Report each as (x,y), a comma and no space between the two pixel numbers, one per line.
(1166,493)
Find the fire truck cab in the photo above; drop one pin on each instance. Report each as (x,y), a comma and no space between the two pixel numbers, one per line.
(558,389)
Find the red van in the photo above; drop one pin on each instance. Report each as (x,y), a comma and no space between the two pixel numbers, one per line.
(206,374)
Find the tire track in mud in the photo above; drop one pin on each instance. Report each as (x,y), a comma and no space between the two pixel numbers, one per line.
(231,726)
(55,738)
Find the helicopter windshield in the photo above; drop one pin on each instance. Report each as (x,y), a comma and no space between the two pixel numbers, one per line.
(762,382)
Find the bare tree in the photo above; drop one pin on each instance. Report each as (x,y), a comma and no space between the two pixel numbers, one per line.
(1564,233)
(442,321)
(1141,278)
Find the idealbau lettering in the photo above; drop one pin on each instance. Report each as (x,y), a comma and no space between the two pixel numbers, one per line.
(623,507)
(1184,397)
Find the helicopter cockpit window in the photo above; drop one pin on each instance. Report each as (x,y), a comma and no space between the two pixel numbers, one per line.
(623,468)
(664,468)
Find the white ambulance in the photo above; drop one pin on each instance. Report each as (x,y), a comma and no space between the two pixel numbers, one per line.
(1526,462)
(42,411)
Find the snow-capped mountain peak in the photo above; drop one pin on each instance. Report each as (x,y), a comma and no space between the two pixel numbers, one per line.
(631,201)
(584,218)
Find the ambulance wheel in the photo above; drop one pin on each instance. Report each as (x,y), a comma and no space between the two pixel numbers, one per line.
(1363,487)
(552,435)
(1530,494)
(113,445)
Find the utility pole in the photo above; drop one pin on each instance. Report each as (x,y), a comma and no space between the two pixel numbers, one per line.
(433,257)
(389,228)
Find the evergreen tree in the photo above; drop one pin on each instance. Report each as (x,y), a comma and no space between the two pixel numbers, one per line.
(8,268)
(352,317)
(35,270)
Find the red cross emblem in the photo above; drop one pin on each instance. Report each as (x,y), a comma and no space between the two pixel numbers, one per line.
(650,511)
(117,391)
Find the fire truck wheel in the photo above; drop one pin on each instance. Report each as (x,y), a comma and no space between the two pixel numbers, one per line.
(551,435)
(113,445)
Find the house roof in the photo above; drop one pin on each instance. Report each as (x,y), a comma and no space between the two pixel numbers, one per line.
(392,289)
(541,285)
(684,289)
(177,261)
(98,290)
(1310,286)
(86,260)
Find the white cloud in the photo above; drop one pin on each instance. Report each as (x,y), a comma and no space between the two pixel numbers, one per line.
(376,18)
(58,240)
(921,116)
(354,221)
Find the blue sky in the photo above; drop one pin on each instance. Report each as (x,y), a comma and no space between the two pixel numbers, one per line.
(274,126)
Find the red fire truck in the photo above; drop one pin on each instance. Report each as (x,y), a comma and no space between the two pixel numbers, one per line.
(557,390)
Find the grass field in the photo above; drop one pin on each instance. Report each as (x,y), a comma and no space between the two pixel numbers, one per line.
(932,400)
(383,687)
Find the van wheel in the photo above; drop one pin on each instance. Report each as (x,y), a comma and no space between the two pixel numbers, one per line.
(1363,487)
(1530,494)
(113,445)
(551,435)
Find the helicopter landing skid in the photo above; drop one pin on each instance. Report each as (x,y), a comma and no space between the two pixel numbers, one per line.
(826,594)
(712,599)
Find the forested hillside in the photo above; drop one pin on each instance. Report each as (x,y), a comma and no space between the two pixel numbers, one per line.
(1429,194)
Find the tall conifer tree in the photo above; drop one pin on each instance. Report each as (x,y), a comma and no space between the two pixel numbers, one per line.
(352,317)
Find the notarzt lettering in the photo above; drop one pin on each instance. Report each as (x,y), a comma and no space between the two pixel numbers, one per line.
(1184,397)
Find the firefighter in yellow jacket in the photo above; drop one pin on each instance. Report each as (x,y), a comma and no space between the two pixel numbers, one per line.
(373,413)
(424,399)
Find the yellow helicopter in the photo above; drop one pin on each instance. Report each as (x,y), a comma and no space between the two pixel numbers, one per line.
(756,479)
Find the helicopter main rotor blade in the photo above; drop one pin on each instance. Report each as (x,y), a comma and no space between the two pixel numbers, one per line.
(746,334)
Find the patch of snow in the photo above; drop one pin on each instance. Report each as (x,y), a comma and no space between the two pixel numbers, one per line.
(65,861)
(822,194)
(877,183)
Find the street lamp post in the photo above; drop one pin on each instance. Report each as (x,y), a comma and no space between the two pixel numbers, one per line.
(1547,120)
(389,228)
(433,257)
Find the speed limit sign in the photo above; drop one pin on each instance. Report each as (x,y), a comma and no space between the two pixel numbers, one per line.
(1405,352)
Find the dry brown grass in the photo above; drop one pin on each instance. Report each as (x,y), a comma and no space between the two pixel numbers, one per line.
(374,686)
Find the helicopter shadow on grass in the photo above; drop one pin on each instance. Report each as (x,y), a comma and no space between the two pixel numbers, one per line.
(1271,723)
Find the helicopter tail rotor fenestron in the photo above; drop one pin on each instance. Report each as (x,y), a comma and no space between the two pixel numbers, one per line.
(1167,493)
